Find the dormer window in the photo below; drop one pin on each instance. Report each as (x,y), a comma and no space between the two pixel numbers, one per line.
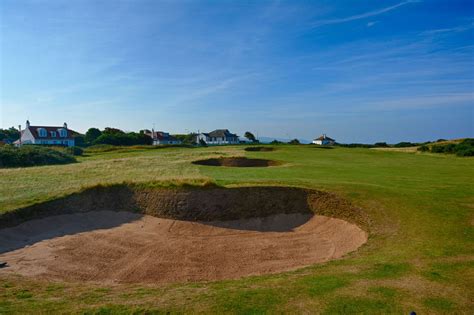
(63,133)
(42,132)
(53,134)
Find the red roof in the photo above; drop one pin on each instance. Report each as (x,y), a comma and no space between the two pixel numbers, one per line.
(35,132)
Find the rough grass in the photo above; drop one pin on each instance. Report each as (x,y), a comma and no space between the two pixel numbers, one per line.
(419,256)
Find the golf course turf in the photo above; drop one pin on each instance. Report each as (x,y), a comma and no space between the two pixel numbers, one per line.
(419,211)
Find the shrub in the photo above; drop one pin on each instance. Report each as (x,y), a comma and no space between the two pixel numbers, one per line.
(465,151)
(405,144)
(29,155)
(114,137)
(465,148)
(444,148)
(381,145)
(424,148)
(76,151)
(294,141)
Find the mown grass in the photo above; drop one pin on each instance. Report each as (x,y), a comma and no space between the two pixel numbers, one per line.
(419,256)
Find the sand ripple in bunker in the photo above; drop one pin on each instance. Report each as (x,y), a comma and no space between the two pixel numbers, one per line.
(117,247)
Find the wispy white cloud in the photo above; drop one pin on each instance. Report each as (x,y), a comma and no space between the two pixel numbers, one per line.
(456,29)
(370,24)
(363,15)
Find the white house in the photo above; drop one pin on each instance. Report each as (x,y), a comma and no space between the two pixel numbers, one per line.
(219,136)
(160,137)
(324,140)
(46,135)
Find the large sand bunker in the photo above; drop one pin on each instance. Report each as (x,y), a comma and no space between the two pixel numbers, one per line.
(237,162)
(191,234)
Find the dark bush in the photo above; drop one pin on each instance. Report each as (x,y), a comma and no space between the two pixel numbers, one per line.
(294,141)
(444,148)
(424,148)
(468,142)
(76,151)
(465,151)
(405,144)
(29,155)
(114,137)
(381,145)
(464,148)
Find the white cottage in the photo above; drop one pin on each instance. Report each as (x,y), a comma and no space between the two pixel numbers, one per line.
(46,135)
(324,140)
(161,137)
(219,136)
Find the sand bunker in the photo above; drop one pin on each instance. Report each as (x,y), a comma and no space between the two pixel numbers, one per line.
(138,233)
(146,249)
(237,162)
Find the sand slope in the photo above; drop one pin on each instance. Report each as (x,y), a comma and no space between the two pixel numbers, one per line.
(109,246)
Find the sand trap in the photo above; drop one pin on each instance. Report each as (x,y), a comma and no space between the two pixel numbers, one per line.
(123,247)
(237,162)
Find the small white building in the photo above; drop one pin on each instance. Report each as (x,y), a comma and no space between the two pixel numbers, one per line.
(218,137)
(324,140)
(161,137)
(46,135)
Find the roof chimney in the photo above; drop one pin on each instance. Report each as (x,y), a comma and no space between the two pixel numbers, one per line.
(27,124)
(65,126)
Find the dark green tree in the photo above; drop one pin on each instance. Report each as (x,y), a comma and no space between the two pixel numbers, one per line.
(91,135)
(250,136)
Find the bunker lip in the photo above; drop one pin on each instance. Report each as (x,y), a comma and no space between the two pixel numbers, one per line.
(237,162)
(132,234)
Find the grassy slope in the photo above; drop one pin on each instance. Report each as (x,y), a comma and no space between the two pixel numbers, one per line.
(419,256)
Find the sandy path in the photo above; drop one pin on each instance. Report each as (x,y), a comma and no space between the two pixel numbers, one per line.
(149,249)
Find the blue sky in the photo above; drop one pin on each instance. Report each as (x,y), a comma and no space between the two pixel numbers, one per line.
(359,71)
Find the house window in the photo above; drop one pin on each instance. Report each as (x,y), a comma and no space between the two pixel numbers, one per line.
(63,133)
(42,132)
(53,134)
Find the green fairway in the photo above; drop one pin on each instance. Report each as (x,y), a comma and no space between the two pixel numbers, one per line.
(419,256)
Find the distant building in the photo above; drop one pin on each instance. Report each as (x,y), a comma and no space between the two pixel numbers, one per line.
(324,140)
(46,135)
(219,136)
(161,137)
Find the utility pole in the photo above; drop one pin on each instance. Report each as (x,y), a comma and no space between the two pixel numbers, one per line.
(19,128)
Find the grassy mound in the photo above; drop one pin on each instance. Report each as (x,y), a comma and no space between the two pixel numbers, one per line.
(32,156)
(463,148)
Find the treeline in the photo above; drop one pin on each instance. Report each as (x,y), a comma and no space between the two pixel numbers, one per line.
(464,148)
(113,136)
(9,135)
